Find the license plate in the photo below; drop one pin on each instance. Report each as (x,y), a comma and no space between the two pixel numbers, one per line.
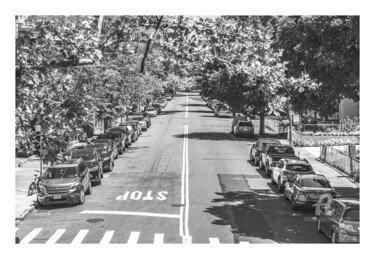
(56,197)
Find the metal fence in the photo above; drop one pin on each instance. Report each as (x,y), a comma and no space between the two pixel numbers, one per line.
(341,160)
(275,125)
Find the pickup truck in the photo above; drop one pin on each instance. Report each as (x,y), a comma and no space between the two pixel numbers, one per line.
(272,154)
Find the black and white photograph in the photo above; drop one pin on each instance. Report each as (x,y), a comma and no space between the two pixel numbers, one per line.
(171,128)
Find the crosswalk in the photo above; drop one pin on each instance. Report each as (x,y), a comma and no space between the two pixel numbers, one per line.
(106,238)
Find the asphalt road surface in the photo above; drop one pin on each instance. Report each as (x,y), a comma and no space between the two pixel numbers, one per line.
(186,180)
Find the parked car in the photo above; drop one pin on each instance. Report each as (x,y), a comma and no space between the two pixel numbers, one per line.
(24,152)
(151,110)
(339,220)
(64,183)
(107,153)
(93,161)
(272,154)
(305,190)
(110,142)
(144,122)
(118,138)
(162,102)
(260,146)
(168,96)
(133,128)
(157,107)
(224,111)
(244,128)
(125,131)
(286,167)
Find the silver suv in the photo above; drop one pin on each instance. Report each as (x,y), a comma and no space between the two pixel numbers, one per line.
(65,183)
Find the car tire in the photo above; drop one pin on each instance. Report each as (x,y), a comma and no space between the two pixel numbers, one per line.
(89,189)
(333,237)
(268,171)
(82,197)
(318,226)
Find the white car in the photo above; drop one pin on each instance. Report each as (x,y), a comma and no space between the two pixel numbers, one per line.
(286,167)
(152,111)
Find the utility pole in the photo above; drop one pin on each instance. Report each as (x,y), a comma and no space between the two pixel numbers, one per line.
(290,124)
(38,128)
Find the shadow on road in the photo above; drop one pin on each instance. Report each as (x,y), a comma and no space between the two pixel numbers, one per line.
(212,136)
(168,112)
(194,104)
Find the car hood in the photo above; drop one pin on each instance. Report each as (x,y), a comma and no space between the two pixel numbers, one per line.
(59,181)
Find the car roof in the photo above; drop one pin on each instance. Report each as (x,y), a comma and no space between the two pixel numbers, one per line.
(68,163)
(295,160)
(311,176)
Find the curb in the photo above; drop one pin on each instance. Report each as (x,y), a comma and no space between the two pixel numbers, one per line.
(25,213)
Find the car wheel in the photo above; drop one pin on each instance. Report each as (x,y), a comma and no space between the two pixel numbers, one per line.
(110,166)
(333,237)
(318,227)
(89,189)
(268,171)
(82,197)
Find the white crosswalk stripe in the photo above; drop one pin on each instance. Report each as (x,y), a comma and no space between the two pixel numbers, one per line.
(107,237)
(53,239)
(214,240)
(158,238)
(80,236)
(244,242)
(133,239)
(31,236)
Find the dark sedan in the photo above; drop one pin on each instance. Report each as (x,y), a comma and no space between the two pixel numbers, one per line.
(260,146)
(107,153)
(93,161)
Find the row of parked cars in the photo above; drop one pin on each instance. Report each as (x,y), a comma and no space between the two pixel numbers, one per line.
(337,218)
(241,124)
(80,167)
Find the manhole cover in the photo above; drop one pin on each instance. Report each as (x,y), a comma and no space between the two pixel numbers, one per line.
(95,220)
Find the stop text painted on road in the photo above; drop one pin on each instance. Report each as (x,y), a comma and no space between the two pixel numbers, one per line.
(138,195)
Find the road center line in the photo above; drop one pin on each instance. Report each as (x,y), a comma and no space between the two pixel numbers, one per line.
(186,107)
(131,213)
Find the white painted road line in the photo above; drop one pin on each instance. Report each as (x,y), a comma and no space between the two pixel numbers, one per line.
(133,239)
(53,239)
(131,213)
(107,237)
(80,236)
(186,107)
(31,236)
(158,239)
(244,242)
(214,240)
(187,183)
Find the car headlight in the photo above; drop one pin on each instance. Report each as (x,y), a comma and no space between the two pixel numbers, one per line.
(42,189)
(74,186)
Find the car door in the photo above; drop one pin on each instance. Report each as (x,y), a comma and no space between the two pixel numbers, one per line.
(85,176)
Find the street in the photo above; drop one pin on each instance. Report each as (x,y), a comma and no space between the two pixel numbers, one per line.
(186,180)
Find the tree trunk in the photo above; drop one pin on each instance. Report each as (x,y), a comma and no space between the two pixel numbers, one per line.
(149,44)
(261,122)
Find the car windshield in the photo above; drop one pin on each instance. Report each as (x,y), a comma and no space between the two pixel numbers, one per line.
(315,182)
(264,144)
(351,215)
(84,156)
(281,150)
(151,109)
(298,167)
(245,124)
(61,172)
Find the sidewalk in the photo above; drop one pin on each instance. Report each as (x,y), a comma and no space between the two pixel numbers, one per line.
(24,176)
